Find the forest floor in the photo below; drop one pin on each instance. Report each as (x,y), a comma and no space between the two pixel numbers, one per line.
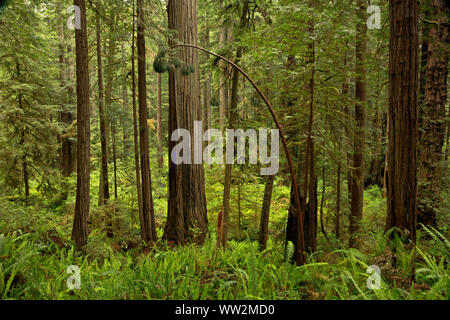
(36,251)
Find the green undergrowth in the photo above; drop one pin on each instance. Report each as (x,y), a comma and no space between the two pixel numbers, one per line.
(36,251)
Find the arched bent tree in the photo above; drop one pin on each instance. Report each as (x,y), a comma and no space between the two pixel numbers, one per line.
(300,235)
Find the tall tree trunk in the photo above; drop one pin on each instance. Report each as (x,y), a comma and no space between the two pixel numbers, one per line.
(223,90)
(80,223)
(149,227)
(125,118)
(231,124)
(65,115)
(403,105)
(309,183)
(159,122)
(356,210)
(114,150)
(207,90)
(265,212)
(104,184)
(322,201)
(135,132)
(432,115)
(290,102)
(187,219)
(101,112)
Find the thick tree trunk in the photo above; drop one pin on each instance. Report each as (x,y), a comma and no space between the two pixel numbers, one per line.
(149,227)
(432,114)
(356,211)
(403,104)
(80,222)
(187,219)
(265,212)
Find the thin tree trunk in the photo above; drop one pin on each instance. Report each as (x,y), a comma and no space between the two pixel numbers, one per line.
(231,123)
(159,122)
(356,211)
(309,184)
(265,212)
(80,222)
(65,115)
(114,149)
(104,184)
(147,199)
(403,105)
(322,200)
(135,132)
(25,177)
(337,227)
(223,90)
(101,111)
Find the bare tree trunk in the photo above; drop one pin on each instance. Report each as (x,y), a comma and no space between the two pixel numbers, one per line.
(159,122)
(309,183)
(265,212)
(65,115)
(223,91)
(104,184)
(432,116)
(187,219)
(356,211)
(80,222)
(135,132)
(322,200)
(101,112)
(149,227)
(403,105)
(231,123)
(114,149)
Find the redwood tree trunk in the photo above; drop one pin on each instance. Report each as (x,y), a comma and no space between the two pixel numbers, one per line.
(80,222)
(149,228)
(432,113)
(403,104)
(187,219)
(357,195)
